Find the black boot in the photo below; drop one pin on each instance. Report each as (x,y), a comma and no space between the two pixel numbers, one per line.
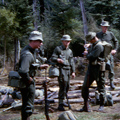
(112,85)
(26,118)
(65,104)
(86,107)
(61,108)
(102,102)
(101,108)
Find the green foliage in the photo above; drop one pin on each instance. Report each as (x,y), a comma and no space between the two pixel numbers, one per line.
(116,117)
(60,17)
(7,24)
(15,23)
(23,15)
(7,20)
(64,17)
(51,38)
(104,9)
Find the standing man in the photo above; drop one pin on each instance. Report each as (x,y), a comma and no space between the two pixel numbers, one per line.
(27,73)
(109,37)
(63,57)
(94,55)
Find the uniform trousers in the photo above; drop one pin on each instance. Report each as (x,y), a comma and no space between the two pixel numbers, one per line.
(64,83)
(94,73)
(28,96)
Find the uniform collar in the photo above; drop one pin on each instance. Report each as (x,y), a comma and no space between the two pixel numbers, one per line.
(104,33)
(63,47)
(31,49)
(95,43)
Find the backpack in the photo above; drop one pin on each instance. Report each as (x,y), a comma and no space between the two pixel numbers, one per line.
(107,50)
(14,77)
(53,71)
(108,98)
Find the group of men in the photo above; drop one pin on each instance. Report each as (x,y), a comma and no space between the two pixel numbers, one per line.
(63,57)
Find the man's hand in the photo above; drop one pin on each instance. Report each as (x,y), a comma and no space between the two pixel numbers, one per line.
(85,53)
(73,75)
(30,81)
(113,52)
(44,66)
(60,61)
(87,46)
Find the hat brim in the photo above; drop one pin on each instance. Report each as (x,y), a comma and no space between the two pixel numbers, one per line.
(104,25)
(36,38)
(89,37)
(67,39)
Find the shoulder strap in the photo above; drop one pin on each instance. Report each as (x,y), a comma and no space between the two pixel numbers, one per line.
(59,49)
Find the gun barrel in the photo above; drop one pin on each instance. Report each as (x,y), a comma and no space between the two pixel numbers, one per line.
(68,101)
(7,108)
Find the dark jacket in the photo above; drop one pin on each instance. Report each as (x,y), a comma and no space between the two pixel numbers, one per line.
(95,52)
(26,70)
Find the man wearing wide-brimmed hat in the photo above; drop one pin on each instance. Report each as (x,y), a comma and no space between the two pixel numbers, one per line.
(94,53)
(27,73)
(109,37)
(63,57)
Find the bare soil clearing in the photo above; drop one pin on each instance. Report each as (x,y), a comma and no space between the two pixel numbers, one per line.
(109,113)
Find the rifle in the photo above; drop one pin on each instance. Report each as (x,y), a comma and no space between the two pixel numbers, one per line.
(46,98)
(46,101)
(4,98)
(14,105)
(68,101)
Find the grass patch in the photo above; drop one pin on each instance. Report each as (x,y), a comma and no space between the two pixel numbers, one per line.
(79,115)
(116,116)
(96,116)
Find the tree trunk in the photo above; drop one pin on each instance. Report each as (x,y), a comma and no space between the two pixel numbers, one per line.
(35,14)
(18,52)
(15,53)
(4,59)
(4,53)
(3,2)
(83,17)
(41,10)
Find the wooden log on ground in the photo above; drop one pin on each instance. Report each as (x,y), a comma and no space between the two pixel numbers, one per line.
(109,89)
(72,100)
(76,82)
(116,99)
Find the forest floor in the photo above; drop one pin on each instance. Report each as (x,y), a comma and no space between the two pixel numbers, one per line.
(109,113)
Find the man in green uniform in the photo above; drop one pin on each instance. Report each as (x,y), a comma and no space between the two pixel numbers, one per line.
(109,37)
(94,55)
(27,73)
(63,56)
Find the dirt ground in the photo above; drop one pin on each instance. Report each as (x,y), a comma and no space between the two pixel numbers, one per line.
(109,113)
(39,113)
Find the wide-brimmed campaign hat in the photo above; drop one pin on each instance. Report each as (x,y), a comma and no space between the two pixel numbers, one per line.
(66,37)
(90,36)
(35,35)
(105,23)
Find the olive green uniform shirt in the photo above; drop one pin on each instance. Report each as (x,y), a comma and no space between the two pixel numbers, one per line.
(26,70)
(66,55)
(66,69)
(108,37)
